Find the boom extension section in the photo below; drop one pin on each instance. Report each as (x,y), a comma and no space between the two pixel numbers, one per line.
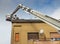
(47,19)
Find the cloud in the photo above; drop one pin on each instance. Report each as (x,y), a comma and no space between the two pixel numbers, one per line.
(5,5)
(56,3)
(56,14)
(5,32)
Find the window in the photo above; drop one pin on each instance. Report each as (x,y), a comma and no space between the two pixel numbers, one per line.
(33,35)
(55,39)
(16,36)
(55,36)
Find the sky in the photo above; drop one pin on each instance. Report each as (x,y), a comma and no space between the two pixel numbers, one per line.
(47,7)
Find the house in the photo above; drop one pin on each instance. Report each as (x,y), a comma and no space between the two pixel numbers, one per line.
(33,31)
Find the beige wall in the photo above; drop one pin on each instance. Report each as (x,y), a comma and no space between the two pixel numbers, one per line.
(24,28)
(46,42)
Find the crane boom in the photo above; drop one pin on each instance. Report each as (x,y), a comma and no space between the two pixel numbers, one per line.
(47,19)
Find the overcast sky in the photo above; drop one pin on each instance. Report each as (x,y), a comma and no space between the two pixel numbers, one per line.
(47,7)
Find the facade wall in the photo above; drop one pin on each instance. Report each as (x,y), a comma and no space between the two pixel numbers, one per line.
(24,28)
(46,42)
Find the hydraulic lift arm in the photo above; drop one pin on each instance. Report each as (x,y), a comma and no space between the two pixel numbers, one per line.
(47,19)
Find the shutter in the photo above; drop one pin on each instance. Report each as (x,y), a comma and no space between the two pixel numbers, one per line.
(17,37)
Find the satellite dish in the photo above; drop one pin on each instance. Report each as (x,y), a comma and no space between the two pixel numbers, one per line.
(41,31)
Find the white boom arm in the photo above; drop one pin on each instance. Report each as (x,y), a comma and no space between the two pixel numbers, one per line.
(49,20)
